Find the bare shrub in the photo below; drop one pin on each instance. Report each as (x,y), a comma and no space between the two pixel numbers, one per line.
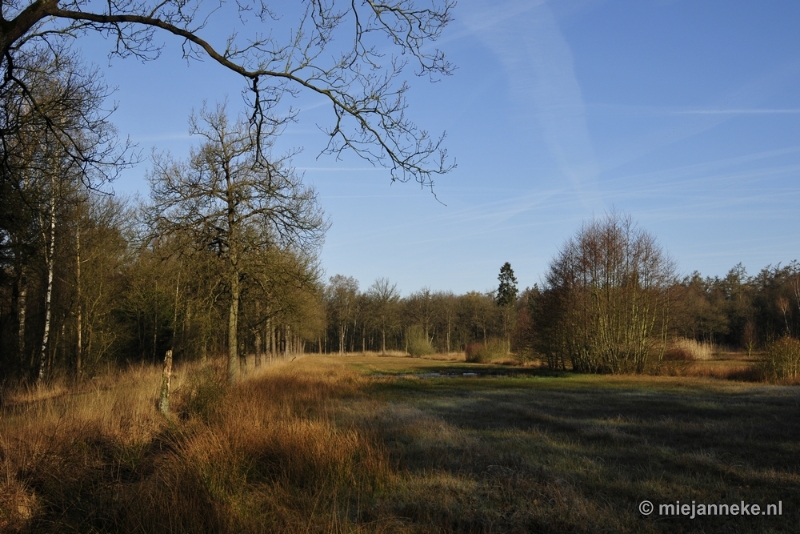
(492,350)
(782,361)
(418,343)
(201,396)
(672,367)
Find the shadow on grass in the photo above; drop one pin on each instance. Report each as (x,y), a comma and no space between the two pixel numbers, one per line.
(565,452)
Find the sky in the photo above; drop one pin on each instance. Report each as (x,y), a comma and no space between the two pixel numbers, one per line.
(683,114)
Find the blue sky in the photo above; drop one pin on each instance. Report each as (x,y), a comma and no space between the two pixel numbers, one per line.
(684,114)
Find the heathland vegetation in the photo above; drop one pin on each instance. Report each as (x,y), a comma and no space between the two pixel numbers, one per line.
(365,443)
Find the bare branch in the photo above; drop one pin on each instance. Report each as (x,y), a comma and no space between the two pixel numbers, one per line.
(363,85)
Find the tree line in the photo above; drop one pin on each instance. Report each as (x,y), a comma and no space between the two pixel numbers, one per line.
(222,258)
(99,282)
(89,280)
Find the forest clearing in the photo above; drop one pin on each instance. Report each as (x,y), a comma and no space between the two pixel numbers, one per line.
(216,317)
(365,443)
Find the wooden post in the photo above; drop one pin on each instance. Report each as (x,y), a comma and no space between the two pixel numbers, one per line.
(163,401)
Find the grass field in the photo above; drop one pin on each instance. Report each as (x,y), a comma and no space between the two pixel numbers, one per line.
(394,444)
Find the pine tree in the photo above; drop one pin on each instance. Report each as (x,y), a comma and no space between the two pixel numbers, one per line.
(506,297)
(507,292)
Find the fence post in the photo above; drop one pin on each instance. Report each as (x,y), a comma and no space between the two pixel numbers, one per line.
(163,401)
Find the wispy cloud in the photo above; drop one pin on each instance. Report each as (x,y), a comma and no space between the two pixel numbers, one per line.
(789,111)
(538,63)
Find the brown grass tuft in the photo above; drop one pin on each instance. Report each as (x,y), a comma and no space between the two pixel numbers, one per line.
(689,350)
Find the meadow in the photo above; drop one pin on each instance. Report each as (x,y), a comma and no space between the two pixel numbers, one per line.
(364,443)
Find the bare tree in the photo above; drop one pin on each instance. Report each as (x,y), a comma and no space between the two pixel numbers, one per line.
(447,304)
(421,309)
(282,286)
(331,48)
(228,200)
(384,296)
(341,296)
(607,298)
(476,312)
(48,93)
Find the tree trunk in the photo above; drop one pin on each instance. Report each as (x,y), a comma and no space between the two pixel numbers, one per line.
(448,333)
(272,341)
(79,311)
(233,326)
(175,309)
(166,377)
(155,327)
(22,297)
(269,341)
(50,260)
(257,362)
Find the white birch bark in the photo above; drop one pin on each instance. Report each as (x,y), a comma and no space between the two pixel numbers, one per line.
(50,261)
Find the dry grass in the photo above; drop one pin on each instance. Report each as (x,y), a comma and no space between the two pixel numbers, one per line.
(690,350)
(51,441)
(353,444)
(689,358)
(264,456)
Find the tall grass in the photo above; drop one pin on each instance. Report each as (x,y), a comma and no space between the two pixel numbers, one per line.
(61,452)
(263,456)
(689,350)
